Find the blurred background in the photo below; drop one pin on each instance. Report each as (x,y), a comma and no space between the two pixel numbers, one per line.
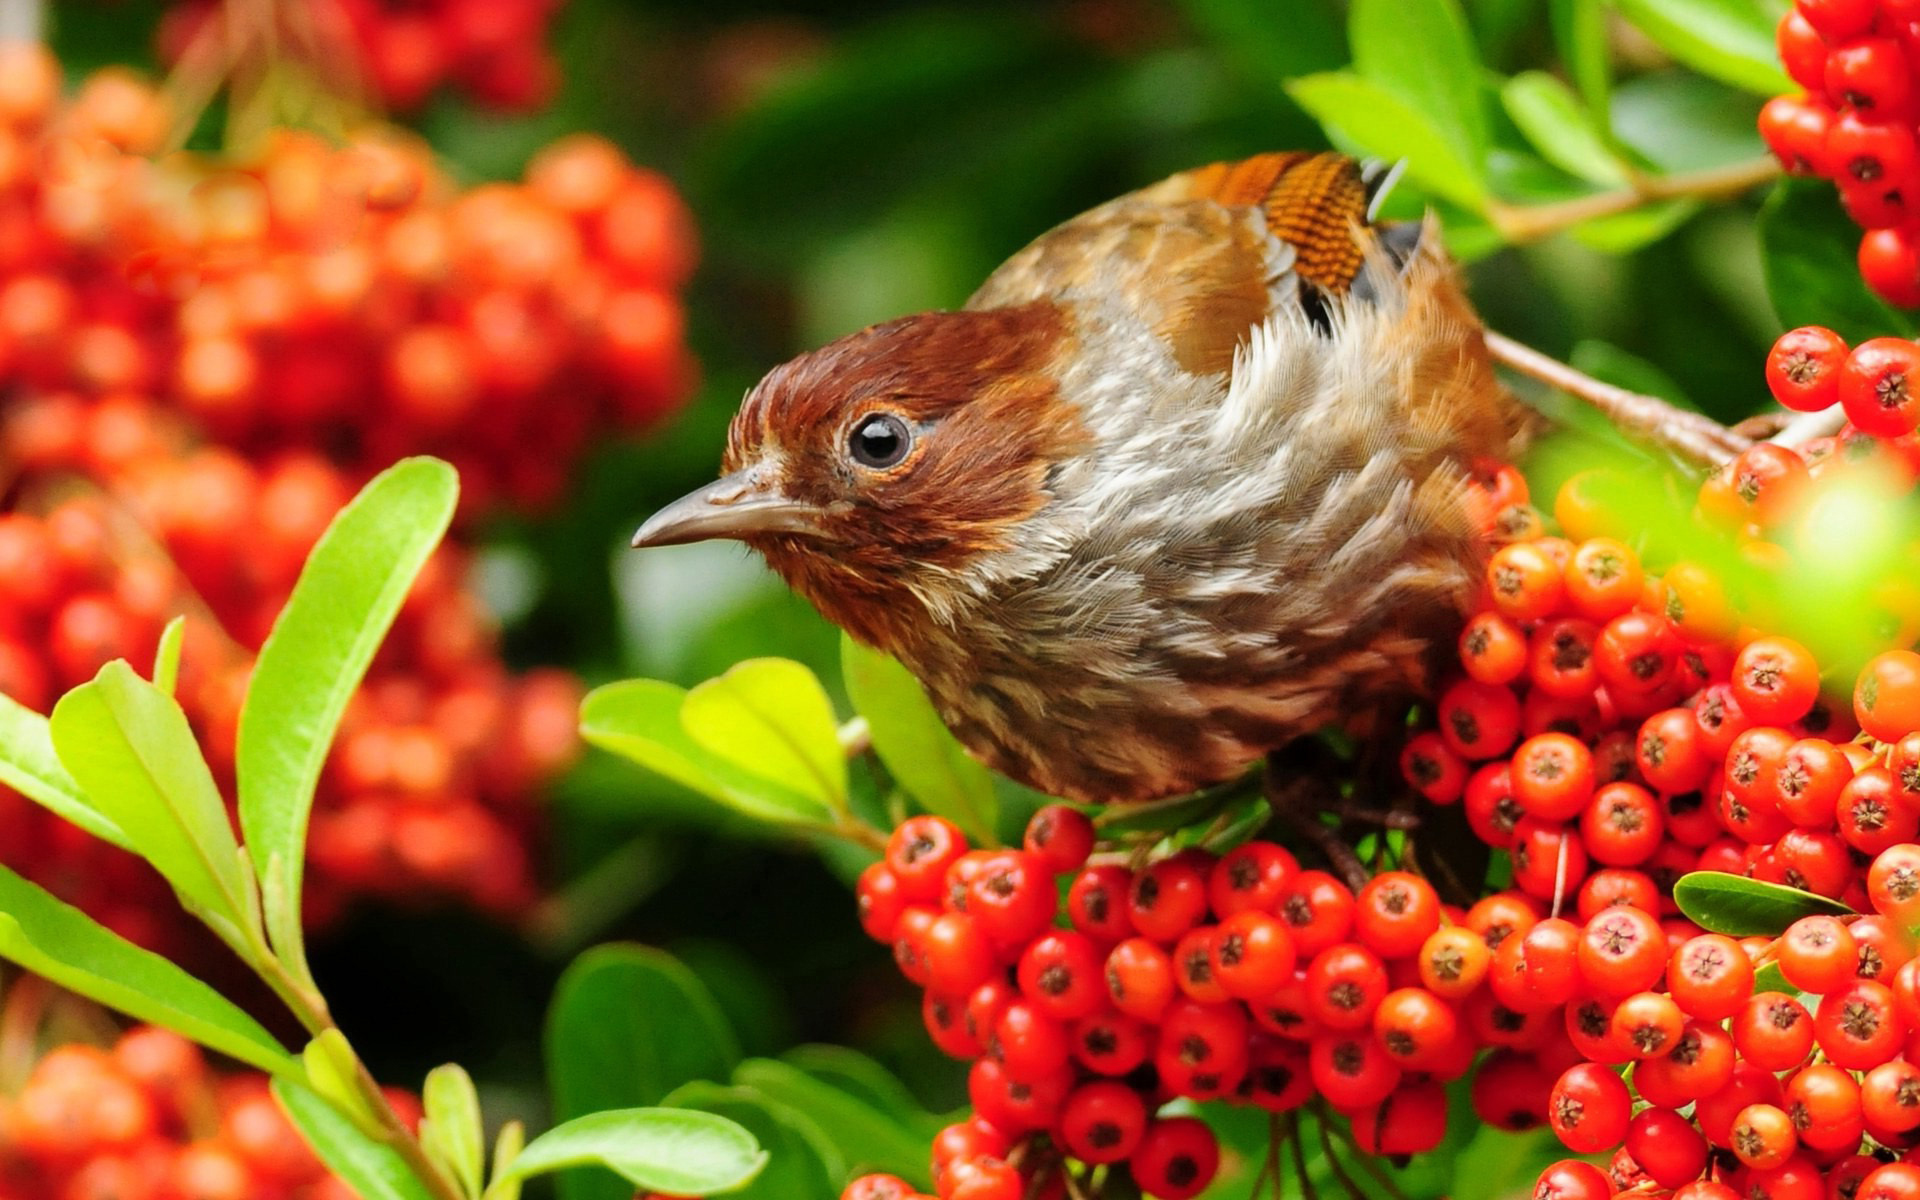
(843,163)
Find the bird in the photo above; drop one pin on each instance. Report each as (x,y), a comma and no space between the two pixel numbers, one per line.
(1185,480)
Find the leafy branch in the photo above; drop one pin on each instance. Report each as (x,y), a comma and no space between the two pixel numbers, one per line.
(119,760)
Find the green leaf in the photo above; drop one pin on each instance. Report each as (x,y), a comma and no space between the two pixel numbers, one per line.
(771,717)
(1729,40)
(129,747)
(639,719)
(1807,248)
(507,1146)
(866,1081)
(1372,120)
(30,765)
(914,742)
(868,1137)
(347,596)
(1551,117)
(1626,232)
(1423,53)
(372,1168)
(1308,40)
(627,1025)
(802,1162)
(1580,33)
(166,658)
(1678,121)
(1610,364)
(1742,907)
(451,1131)
(69,948)
(333,1071)
(672,1150)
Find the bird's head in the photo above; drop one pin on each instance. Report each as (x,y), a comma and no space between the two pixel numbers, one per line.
(873,472)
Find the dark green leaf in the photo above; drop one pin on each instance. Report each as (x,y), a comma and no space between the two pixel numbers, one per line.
(802,1163)
(1580,32)
(1370,120)
(373,1169)
(639,719)
(628,1024)
(771,717)
(1176,812)
(1562,131)
(870,1139)
(30,765)
(1807,248)
(1730,40)
(129,747)
(914,743)
(866,1081)
(1678,121)
(1610,364)
(347,596)
(1423,53)
(451,1130)
(68,947)
(673,1150)
(1742,907)
(1308,40)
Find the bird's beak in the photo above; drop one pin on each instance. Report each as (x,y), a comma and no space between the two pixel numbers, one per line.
(734,506)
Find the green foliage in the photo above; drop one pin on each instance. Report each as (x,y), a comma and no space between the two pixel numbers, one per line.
(345,601)
(919,751)
(1742,907)
(656,1149)
(802,1164)
(451,1131)
(1808,244)
(373,1168)
(30,765)
(771,718)
(627,1026)
(1729,40)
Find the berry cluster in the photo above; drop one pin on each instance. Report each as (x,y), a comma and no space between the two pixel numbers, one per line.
(341,298)
(494,51)
(149,1119)
(431,791)
(1855,124)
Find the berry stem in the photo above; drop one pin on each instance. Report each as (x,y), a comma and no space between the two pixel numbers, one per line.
(1366,1161)
(22,20)
(1332,1158)
(1806,427)
(1307,1190)
(1531,222)
(1691,436)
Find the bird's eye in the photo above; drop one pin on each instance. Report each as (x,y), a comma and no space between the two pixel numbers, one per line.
(880,441)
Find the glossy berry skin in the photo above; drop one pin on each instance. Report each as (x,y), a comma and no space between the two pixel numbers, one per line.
(1880,386)
(1803,368)
(1589,1109)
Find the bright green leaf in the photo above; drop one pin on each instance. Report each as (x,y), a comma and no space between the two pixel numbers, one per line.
(129,747)
(1580,32)
(802,1162)
(507,1146)
(166,658)
(347,596)
(639,719)
(868,1137)
(1807,248)
(69,948)
(1423,53)
(1678,121)
(333,1071)
(915,744)
(1371,120)
(30,765)
(771,717)
(1742,907)
(451,1130)
(1729,40)
(372,1168)
(672,1150)
(1551,117)
(627,1025)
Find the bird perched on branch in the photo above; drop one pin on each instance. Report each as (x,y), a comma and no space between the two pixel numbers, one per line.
(1184,480)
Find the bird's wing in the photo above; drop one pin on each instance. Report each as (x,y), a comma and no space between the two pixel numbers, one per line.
(1204,257)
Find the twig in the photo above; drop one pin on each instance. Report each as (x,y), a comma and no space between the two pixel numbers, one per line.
(1693,437)
(1294,1139)
(1807,427)
(1366,1162)
(1293,801)
(1333,1160)
(1530,222)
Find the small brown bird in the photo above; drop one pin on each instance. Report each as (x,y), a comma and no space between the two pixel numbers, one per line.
(1184,480)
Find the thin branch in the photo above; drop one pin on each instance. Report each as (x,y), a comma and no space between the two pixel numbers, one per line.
(1367,1163)
(1294,1138)
(1807,427)
(1531,222)
(1693,437)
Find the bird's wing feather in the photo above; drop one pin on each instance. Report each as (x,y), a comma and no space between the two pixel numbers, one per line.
(1204,257)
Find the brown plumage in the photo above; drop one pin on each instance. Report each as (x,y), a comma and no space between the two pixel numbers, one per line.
(1184,480)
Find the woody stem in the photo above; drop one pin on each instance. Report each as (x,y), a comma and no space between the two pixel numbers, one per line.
(1693,437)
(1530,222)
